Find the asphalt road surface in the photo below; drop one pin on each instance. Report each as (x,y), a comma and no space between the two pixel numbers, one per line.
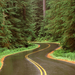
(36,63)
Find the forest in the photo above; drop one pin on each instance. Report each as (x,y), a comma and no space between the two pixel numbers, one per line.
(22,21)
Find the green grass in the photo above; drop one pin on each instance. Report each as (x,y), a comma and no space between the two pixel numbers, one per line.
(0,63)
(62,54)
(45,41)
(13,51)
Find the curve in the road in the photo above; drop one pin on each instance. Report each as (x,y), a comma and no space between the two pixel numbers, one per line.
(41,69)
(2,60)
(49,56)
(18,65)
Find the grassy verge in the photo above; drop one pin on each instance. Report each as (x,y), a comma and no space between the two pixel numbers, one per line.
(50,41)
(0,64)
(62,54)
(13,51)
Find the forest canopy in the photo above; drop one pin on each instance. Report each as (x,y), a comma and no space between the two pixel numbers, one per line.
(22,21)
(60,22)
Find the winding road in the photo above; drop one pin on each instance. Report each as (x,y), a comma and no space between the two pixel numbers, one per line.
(36,63)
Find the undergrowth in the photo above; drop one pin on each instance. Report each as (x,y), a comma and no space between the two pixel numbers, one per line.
(62,54)
(45,40)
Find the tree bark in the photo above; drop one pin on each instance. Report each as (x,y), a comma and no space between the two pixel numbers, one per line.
(44,7)
(24,12)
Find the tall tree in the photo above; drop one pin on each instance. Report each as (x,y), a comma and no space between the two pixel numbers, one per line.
(38,15)
(17,26)
(5,32)
(44,7)
(60,22)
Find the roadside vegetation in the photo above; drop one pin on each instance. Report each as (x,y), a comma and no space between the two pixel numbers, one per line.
(17,50)
(62,54)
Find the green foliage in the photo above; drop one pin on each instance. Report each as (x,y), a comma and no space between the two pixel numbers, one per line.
(64,54)
(0,64)
(59,53)
(17,23)
(38,17)
(22,21)
(60,22)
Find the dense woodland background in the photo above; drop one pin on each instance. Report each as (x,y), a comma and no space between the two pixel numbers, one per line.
(22,21)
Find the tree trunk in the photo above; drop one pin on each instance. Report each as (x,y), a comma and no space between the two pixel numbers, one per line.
(44,7)
(24,12)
